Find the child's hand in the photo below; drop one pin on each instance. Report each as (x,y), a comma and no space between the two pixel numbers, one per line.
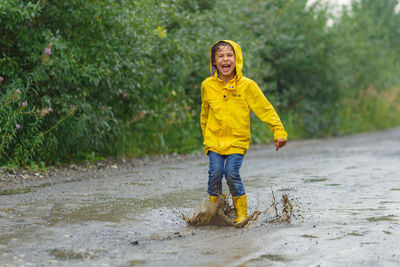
(279,143)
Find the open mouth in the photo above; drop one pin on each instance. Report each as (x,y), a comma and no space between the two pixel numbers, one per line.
(226,67)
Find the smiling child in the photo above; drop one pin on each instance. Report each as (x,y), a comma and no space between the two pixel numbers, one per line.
(227,98)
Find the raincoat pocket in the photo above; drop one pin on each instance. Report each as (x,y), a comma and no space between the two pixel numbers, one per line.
(241,137)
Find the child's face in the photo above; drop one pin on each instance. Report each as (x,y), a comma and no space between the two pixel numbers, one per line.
(225,62)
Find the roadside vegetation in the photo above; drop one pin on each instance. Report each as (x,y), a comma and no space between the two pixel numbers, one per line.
(84,80)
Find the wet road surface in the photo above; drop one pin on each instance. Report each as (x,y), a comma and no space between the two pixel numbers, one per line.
(345,192)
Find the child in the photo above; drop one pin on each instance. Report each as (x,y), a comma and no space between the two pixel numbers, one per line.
(227,98)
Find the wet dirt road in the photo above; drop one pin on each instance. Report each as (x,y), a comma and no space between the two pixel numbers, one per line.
(345,192)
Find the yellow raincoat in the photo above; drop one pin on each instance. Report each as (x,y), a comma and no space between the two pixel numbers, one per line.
(225,110)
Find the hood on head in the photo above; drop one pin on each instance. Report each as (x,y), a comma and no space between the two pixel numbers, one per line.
(238,59)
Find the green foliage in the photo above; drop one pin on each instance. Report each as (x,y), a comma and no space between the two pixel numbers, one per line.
(371,110)
(295,62)
(369,36)
(107,78)
(367,62)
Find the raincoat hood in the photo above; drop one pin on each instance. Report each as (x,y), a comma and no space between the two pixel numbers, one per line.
(238,59)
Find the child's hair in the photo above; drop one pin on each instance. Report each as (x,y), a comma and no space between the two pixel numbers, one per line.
(216,48)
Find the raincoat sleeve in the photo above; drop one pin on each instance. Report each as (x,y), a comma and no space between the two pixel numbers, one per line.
(204,110)
(265,111)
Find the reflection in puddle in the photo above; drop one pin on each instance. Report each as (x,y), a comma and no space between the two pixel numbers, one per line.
(389,202)
(315,180)
(309,236)
(354,234)
(136,262)
(271,257)
(62,254)
(23,190)
(382,218)
(351,167)
(29,189)
(16,191)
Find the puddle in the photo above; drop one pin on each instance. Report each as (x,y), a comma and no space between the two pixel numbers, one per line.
(6,210)
(172,200)
(16,191)
(135,262)
(24,190)
(354,234)
(270,257)
(389,202)
(110,209)
(315,180)
(332,184)
(388,218)
(105,211)
(61,254)
(29,189)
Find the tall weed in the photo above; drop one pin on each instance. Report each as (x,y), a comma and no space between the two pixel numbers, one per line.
(371,110)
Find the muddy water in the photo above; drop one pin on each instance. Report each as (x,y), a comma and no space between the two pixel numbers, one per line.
(345,194)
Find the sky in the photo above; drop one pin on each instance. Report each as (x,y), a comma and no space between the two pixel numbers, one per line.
(336,4)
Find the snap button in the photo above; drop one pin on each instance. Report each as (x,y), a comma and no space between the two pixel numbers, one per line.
(224,96)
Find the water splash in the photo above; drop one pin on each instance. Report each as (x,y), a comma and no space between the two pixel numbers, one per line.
(221,213)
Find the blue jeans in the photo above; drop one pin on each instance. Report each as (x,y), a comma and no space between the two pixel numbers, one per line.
(228,165)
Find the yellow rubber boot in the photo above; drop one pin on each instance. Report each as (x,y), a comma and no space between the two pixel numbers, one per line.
(214,199)
(240,204)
